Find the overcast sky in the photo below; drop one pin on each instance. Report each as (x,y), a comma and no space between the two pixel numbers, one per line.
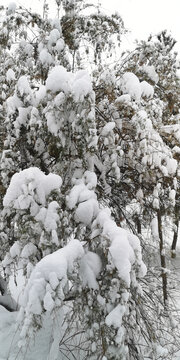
(141,17)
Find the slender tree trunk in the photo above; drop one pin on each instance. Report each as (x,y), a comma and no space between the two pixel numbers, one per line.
(175,236)
(162,257)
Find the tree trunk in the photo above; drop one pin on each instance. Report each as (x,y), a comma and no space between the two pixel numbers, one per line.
(175,236)
(162,257)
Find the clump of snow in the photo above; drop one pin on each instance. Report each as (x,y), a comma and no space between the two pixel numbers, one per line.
(124,249)
(108,128)
(58,80)
(123,99)
(114,318)
(22,118)
(40,94)
(15,249)
(129,84)
(45,57)
(90,267)
(90,179)
(60,45)
(81,86)
(53,37)
(28,250)
(150,71)
(11,8)
(45,288)
(172,196)
(10,75)
(147,89)
(48,216)
(29,187)
(171,166)
(23,86)
(78,84)
(13,103)
(83,197)
(86,211)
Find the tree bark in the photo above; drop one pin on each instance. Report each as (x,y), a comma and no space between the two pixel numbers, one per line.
(175,236)
(162,257)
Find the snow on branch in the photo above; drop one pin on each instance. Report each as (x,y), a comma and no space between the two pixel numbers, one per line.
(47,285)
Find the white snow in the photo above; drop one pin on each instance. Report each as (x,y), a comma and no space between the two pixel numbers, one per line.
(53,37)
(108,128)
(58,80)
(40,94)
(129,84)
(150,71)
(172,195)
(23,86)
(45,57)
(60,45)
(49,216)
(83,190)
(11,8)
(171,166)
(79,84)
(154,228)
(114,318)
(90,267)
(50,274)
(146,89)
(48,302)
(30,186)
(123,99)
(10,75)
(86,211)
(28,250)
(15,249)
(83,196)
(124,249)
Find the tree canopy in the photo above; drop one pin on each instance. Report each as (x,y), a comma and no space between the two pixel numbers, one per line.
(89,186)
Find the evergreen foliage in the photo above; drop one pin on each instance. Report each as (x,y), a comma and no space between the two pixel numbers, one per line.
(89,185)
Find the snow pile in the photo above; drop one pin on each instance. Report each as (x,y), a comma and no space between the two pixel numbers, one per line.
(48,216)
(150,71)
(10,75)
(133,88)
(13,103)
(90,267)
(146,89)
(123,99)
(83,198)
(174,130)
(28,193)
(153,151)
(23,87)
(172,196)
(45,57)
(30,187)
(108,128)
(47,284)
(60,45)
(114,318)
(125,249)
(22,118)
(79,84)
(53,37)
(129,84)
(11,8)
